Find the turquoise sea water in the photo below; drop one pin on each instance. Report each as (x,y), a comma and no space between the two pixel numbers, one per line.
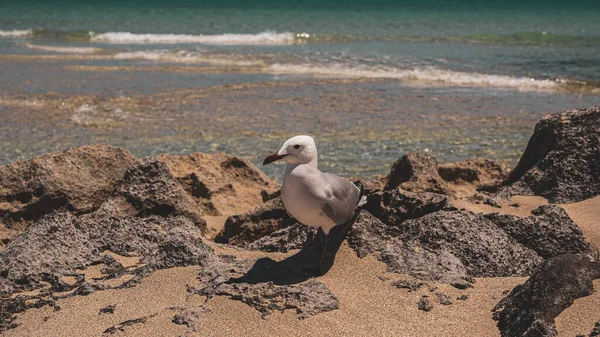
(510,60)
(408,40)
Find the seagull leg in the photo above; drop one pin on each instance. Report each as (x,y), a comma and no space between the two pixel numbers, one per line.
(323,253)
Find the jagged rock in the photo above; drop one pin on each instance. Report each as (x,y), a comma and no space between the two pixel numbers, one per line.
(284,240)
(562,159)
(484,249)
(78,180)
(268,285)
(424,304)
(241,230)
(112,267)
(123,325)
(530,309)
(484,198)
(370,236)
(477,170)
(220,183)
(446,246)
(411,285)
(190,316)
(266,196)
(444,299)
(77,242)
(396,206)
(149,189)
(549,231)
(110,309)
(416,172)
(307,299)
(147,214)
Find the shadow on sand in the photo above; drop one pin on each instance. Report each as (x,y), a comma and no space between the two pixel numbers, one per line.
(314,259)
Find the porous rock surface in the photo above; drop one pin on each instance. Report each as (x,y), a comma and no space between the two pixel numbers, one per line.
(241,230)
(477,170)
(147,215)
(395,206)
(268,285)
(562,159)
(284,240)
(530,309)
(220,183)
(549,231)
(78,180)
(416,172)
(446,246)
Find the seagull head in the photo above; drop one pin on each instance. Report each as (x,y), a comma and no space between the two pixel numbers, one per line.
(296,150)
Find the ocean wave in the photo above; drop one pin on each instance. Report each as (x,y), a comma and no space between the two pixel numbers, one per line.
(265,38)
(274,38)
(184,56)
(15,33)
(424,74)
(57,49)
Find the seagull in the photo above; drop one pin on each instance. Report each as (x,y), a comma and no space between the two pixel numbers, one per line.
(312,197)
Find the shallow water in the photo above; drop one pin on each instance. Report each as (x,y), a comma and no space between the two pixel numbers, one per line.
(370,82)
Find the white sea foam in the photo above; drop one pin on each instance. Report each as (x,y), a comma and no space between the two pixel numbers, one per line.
(186,57)
(265,38)
(57,49)
(15,33)
(424,74)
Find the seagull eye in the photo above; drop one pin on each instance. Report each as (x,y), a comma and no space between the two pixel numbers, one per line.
(296,146)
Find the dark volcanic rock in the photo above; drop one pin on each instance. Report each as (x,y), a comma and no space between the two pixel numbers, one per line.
(416,172)
(112,267)
(562,159)
(284,240)
(484,249)
(150,189)
(549,231)
(190,316)
(530,309)
(77,243)
(307,299)
(396,206)
(411,285)
(446,246)
(110,309)
(123,325)
(241,230)
(444,299)
(268,285)
(147,215)
(220,183)
(477,170)
(484,198)
(424,304)
(79,180)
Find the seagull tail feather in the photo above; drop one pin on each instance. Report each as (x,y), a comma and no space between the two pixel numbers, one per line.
(362,199)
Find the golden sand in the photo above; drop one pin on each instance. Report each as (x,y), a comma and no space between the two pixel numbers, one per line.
(369,304)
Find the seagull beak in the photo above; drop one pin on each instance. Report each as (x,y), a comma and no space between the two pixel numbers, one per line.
(271,158)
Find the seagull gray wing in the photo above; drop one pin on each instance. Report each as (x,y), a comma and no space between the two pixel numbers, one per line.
(342,199)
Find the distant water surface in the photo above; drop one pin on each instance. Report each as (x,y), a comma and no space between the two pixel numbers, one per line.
(454,79)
